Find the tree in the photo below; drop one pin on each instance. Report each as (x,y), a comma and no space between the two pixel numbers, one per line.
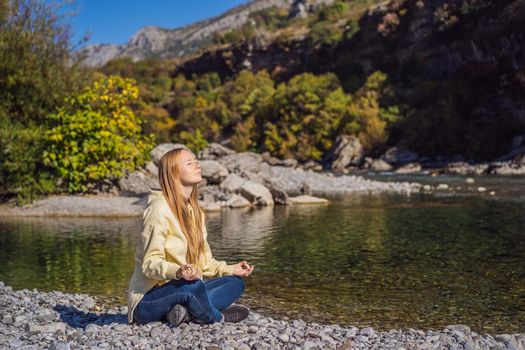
(37,71)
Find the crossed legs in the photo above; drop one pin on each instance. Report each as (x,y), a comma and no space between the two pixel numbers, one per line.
(204,300)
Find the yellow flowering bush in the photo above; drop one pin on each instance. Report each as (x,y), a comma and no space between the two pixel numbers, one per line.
(96,135)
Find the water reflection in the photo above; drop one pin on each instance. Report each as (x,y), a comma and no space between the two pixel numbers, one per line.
(382,261)
(245,229)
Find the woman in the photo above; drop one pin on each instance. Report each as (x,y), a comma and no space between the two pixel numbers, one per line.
(173,255)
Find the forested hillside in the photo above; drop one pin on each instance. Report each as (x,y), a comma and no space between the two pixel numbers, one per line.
(442,78)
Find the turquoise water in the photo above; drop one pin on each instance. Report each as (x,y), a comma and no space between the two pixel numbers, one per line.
(386,261)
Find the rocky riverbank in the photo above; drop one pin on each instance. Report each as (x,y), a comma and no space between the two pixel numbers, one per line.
(230,180)
(30,319)
(347,156)
(247,179)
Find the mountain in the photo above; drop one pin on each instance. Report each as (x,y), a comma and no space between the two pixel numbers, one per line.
(153,41)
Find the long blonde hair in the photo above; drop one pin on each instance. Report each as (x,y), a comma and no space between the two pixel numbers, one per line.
(171,186)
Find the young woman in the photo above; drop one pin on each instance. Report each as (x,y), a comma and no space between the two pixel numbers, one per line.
(173,255)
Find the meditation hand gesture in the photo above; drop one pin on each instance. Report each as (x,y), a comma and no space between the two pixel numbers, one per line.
(242,269)
(189,272)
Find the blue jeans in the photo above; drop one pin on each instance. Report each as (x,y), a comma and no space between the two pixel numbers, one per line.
(203,299)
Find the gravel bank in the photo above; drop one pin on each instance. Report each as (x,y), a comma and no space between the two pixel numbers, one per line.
(87,205)
(30,319)
(326,183)
(293,181)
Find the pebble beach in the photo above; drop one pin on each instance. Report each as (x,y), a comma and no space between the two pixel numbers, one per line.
(31,319)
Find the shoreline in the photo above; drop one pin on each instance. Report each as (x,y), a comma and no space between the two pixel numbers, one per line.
(132,205)
(304,184)
(58,320)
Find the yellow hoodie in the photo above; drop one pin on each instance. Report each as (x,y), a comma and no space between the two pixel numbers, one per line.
(161,251)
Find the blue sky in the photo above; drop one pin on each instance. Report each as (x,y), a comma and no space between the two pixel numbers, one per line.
(115,21)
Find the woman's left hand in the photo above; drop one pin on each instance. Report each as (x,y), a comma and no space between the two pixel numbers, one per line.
(242,269)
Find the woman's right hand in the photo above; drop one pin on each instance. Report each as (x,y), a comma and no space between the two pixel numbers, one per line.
(189,272)
(242,269)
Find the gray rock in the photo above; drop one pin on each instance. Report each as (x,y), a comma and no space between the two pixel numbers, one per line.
(367,331)
(239,162)
(313,165)
(408,168)
(380,165)
(279,195)
(91,329)
(16,343)
(160,150)
(347,150)
(152,169)
(309,345)
(289,162)
(232,183)
(58,345)
(256,193)
(237,201)
(266,156)
(214,151)
(213,171)
(47,328)
(266,172)
(464,168)
(248,175)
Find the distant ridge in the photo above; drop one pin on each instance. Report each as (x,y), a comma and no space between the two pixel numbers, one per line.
(154,41)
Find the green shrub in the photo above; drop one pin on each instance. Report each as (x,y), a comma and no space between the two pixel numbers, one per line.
(21,171)
(325,33)
(96,135)
(195,141)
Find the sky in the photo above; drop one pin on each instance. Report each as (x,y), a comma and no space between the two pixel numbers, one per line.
(115,21)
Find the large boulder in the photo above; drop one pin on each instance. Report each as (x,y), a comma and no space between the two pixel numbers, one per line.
(237,201)
(256,193)
(279,195)
(248,175)
(232,183)
(213,171)
(151,168)
(347,150)
(380,165)
(138,182)
(214,151)
(212,193)
(161,149)
(244,161)
(266,172)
